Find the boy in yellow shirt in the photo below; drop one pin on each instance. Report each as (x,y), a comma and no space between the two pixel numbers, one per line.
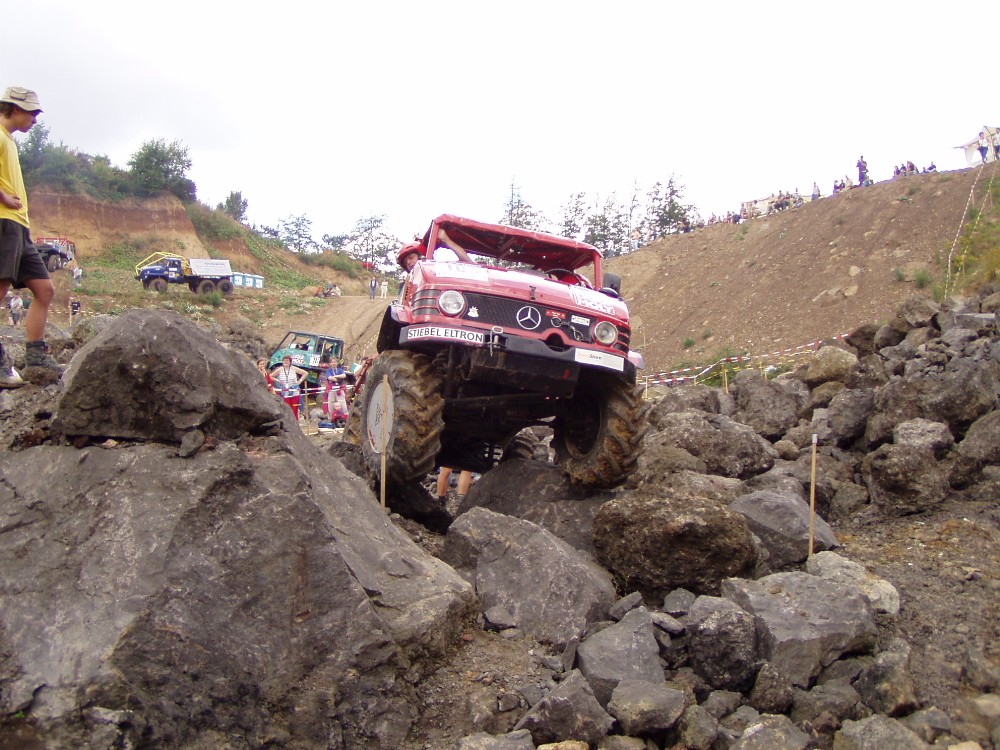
(20,263)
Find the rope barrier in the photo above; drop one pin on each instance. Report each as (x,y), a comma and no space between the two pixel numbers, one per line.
(676,377)
(949,287)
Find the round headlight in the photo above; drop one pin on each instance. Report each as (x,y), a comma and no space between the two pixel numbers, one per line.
(605,333)
(451,303)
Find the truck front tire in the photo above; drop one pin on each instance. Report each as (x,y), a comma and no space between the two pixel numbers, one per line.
(598,436)
(401,414)
(157,285)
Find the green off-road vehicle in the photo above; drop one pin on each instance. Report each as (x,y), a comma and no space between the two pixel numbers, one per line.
(532,333)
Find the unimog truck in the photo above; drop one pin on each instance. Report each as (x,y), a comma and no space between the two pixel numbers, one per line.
(533,333)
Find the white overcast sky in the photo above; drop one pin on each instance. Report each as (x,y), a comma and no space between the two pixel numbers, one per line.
(412,109)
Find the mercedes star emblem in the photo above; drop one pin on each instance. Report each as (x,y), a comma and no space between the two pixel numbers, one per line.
(529,318)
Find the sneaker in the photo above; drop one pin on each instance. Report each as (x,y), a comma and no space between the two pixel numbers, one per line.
(36,354)
(9,378)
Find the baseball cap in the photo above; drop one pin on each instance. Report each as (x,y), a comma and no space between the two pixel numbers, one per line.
(24,98)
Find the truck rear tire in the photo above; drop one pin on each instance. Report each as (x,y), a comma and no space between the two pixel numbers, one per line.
(52,263)
(225,287)
(206,286)
(401,411)
(158,285)
(598,437)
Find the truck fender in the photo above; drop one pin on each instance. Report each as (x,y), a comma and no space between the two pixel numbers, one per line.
(388,332)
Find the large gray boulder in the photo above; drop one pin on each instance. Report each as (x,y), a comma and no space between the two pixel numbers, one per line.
(957,396)
(654,543)
(764,405)
(569,712)
(153,375)
(979,448)
(848,414)
(626,650)
(694,397)
(877,732)
(805,622)
(903,480)
(830,363)
(727,447)
(782,522)
(258,580)
(539,492)
(526,577)
(722,643)
(643,708)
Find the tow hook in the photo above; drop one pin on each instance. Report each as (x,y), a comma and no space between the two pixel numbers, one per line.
(494,338)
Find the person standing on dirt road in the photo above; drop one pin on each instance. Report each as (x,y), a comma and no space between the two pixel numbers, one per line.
(372,285)
(288,380)
(20,264)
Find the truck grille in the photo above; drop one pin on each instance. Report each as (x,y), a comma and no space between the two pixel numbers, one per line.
(516,315)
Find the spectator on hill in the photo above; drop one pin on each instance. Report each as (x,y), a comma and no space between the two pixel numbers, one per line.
(931,168)
(996,144)
(862,171)
(20,264)
(815,192)
(77,275)
(984,146)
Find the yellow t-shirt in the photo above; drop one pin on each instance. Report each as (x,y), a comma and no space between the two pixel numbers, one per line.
(11,181)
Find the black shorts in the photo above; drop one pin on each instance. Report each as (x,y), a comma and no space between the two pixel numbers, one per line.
(19,259)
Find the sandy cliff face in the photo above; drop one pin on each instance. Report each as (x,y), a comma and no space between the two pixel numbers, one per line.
(159,223)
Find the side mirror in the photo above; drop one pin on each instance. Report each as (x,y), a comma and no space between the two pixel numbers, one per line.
(612,285)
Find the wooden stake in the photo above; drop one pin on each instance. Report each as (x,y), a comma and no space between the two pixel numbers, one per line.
(812,497)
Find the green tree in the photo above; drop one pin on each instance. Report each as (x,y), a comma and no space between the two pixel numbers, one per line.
(159,166)
(519,213)
(235,205)
(607,228)
(574,217)
(665,213)
(296,233)
(33,149)
(369,242)
(335,241)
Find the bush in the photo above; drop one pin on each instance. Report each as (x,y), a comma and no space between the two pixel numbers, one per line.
(341,262)
(212,224)
(688,342)
(212,298)
(922,278)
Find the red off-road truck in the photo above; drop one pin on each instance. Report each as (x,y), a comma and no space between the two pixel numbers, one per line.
(534,332)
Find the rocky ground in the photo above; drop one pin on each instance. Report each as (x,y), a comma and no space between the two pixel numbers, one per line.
(944,564)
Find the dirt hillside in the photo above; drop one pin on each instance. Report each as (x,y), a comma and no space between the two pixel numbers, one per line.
(803,274)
